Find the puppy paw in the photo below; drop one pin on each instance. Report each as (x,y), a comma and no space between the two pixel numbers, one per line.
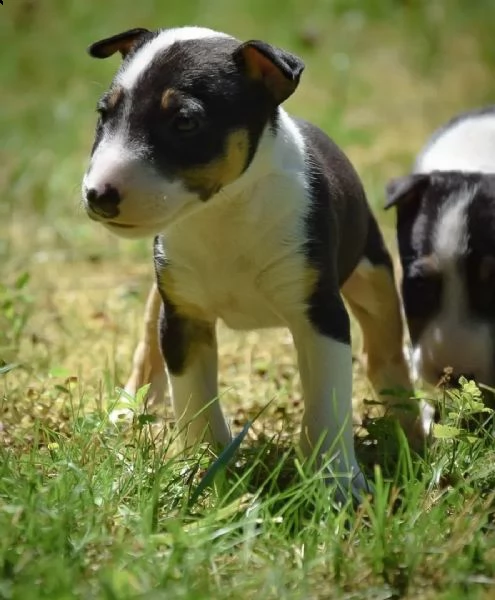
(135,398)
(417,426)
(353,486)
(360,488)
(121,415)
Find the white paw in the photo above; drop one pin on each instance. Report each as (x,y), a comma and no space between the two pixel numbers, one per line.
(361,487)
(125,407)
(120,415)
(350,485)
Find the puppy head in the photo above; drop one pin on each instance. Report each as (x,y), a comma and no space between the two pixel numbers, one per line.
(181,120)
(446,238)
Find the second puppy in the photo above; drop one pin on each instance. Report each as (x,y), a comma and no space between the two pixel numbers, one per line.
(446,236)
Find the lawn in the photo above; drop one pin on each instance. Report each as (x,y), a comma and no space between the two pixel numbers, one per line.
(93,510)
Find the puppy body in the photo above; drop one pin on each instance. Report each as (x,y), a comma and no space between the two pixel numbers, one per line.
(466,143)
(446,236)
(260,218)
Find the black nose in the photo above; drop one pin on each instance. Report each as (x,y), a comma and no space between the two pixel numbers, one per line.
(104,204)
(469,376)
(452,380)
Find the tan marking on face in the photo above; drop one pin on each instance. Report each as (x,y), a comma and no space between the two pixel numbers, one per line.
(168,98)
(372,296)
(114,97)
(208,179)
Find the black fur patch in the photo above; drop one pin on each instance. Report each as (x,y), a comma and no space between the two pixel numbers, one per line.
(479,261)
(215,98)
(417,218)
(179,335)
(375,249)
(337,228)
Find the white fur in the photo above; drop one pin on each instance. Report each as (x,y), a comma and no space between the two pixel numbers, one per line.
(451,231)
(238,257)
(132,71)
(468,145)
(325,366)
(452,339)
(465,346)
(149,201)
(195,400)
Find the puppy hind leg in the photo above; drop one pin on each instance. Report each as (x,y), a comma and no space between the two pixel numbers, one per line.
(148,365)
(373,299)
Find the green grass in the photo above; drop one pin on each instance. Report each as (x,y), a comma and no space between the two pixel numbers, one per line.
(97,513)
(88,510)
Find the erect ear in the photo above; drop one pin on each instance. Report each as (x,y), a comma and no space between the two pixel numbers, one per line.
(122,42)
(277,69)
(404,189)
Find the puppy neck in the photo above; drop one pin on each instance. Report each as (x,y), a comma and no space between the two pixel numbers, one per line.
(280,152)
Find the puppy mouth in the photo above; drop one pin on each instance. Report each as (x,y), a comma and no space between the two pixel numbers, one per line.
(121,225)
(94,217)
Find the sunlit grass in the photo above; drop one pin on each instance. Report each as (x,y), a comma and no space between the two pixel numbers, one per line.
(90,510)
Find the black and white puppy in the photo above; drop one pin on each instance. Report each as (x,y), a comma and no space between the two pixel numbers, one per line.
(446,237)
(261,221)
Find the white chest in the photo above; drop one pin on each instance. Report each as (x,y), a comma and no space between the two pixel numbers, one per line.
(240,261)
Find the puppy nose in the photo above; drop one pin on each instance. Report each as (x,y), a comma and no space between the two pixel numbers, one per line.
(469,376)
(453,378)
(105,204)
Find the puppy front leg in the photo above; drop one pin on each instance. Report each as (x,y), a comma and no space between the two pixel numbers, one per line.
(325,365)
(190,350)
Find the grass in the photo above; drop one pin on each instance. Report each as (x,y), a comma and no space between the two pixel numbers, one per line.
(90,510)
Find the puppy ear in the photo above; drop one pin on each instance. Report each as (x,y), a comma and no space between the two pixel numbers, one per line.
(122,42)
(404,189)
(279,71)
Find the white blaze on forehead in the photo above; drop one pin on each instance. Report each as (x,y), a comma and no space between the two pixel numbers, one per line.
(466,145)
(128,77)
(451,233)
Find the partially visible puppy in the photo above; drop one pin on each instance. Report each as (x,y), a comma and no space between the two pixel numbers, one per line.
(446,238)
(262,220)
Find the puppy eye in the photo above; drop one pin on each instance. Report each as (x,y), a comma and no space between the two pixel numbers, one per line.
(102,112)
(185,123)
